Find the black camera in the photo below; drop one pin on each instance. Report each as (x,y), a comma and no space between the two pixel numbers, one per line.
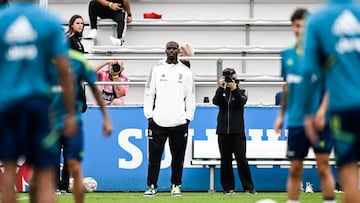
(228,74)
(115,67)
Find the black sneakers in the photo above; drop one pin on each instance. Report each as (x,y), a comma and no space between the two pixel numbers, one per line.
(251,192)
(229,192)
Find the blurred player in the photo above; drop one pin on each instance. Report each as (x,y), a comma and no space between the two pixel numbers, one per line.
(332,48)
(73,147)
(30,39)
(292,101)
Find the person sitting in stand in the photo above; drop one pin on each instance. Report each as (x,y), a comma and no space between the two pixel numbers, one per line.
(111,71)
(75,32)
(117,10)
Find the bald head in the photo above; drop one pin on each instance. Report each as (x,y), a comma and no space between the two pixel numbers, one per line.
(172,44)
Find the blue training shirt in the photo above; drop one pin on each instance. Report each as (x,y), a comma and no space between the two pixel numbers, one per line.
(332,45)
(81,72)
(29,38)
(291,69)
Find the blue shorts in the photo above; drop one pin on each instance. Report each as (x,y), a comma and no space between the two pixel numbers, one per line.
(346,130)
(299,144)
(73,148)
(25,130)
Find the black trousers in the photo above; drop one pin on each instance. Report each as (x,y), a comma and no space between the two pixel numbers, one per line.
(98,10)
(230,144)
(156,143)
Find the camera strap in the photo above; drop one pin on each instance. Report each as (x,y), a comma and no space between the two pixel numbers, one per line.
(115,76)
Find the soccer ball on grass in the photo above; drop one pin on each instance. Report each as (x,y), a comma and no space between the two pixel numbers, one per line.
(90,184)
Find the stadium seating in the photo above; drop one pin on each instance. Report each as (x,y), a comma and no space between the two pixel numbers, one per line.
(217,29)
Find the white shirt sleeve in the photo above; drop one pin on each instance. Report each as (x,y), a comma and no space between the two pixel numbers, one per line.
(149,94)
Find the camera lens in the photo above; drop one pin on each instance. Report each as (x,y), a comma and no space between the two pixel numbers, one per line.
(228,74)
(228,79)
(116,67)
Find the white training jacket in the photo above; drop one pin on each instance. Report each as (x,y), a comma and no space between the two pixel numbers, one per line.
(169,97)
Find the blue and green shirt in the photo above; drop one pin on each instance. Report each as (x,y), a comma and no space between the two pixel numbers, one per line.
(332,47)
(30,37)
(81,72)
(291,69)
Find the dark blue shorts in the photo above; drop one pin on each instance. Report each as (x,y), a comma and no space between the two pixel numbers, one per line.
(25,130)
(299,144)
(346,130)
(73,148)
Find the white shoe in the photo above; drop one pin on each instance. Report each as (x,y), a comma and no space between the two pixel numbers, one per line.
(175,190)
(150,191)
(116,42)
(338,188)
(92,34)
(309,188)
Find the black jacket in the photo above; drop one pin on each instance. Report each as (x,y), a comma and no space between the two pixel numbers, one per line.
(75,43)
(230,118)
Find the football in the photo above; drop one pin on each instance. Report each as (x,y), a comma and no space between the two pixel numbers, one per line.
(266,200)
(90,184)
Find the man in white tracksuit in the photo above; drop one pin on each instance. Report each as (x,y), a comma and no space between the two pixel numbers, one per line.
(169,106)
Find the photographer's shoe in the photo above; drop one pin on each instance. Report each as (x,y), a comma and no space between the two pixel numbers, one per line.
(251,192)
(229,192)
(338,188)
(309,188)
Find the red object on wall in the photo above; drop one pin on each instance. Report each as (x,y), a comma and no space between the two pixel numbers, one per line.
(152,15)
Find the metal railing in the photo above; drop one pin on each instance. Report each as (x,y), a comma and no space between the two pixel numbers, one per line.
(219,67)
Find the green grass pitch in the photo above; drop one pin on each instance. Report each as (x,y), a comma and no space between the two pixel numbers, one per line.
(187,197)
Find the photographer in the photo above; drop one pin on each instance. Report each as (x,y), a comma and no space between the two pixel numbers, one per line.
(111,71)
(231,133)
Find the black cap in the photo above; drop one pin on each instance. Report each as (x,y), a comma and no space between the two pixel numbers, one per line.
(228,71)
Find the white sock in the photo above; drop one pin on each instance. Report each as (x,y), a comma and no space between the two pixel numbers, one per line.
(292,201)
(329,201)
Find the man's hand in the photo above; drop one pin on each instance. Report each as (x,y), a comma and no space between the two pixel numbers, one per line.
(311,132)
(129,19)
(222,82)
(278,124)
(107,127)
(115,6)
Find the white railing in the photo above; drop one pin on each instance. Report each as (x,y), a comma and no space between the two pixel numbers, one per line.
(219,63)
(254,83)
(203,82)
